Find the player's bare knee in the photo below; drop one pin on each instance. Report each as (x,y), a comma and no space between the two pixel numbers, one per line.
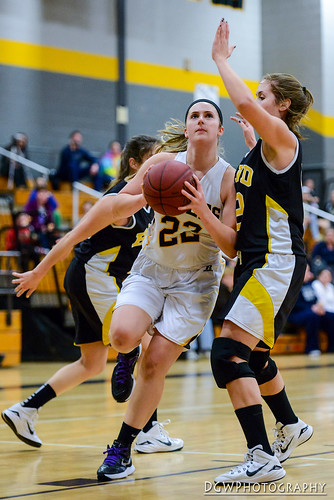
(150,368)
(121,340)
(93,366)
(225,370)
(97,368)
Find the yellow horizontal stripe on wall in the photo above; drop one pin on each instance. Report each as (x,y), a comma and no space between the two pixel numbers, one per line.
(153,75)
(322,124)
(58,60)
(141,73)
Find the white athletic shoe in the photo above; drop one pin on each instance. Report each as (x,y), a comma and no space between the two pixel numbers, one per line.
(258,467)
(21,420)
(288,437)
(157,439)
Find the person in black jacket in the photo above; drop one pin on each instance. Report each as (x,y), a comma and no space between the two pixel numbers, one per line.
(13,170)
(75,162)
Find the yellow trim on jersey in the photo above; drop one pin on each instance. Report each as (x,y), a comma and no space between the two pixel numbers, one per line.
(107,318)
(255,292)
(139,239)
(111,251)
(106,325)
(146,236)
(270,203)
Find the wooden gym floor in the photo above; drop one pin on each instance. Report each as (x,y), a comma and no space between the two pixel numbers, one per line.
(76,427)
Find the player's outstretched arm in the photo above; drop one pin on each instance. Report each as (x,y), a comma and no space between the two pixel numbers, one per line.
(103,213)
(272,129)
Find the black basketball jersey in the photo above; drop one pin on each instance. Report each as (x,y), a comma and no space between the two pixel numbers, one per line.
(114,248)
(269,205)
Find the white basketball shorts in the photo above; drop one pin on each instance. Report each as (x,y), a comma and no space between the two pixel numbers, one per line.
(180,302)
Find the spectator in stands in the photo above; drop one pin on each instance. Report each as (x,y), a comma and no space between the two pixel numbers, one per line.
(75,162)
(41,182)
(41,209)
(13,170)
(324,290)
(310,313)
(329,206)
(323,252)
(109,165)
(310,198)
(86,206)
(23,238)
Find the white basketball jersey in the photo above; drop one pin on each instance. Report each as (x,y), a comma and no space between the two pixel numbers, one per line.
(182,242)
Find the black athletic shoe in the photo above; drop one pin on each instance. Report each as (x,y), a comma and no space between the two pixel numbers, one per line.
(122,379)
(117,464)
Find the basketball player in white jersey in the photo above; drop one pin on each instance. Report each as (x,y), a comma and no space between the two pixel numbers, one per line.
(174,282)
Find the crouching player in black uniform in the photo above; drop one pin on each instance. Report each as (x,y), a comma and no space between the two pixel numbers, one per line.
(92,282)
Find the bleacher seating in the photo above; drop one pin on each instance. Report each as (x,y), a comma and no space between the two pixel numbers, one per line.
(50,291)
(10,338)
(293,343)
(290,343)
(10,321)
(64,198)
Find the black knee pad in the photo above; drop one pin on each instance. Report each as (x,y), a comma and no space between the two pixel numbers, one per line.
(224,370)
(257,362)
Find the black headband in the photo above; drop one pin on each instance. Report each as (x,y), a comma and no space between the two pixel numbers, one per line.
(220,114)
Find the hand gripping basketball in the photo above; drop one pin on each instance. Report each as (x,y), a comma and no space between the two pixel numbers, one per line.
(162,185)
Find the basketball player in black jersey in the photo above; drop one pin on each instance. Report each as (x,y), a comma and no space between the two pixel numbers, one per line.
(270,268)
(92,282)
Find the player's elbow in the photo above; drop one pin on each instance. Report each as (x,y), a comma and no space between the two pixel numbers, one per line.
(230,252)
(116,214)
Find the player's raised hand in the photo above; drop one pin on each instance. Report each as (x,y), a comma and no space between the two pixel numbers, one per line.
(220,47)
(246,128)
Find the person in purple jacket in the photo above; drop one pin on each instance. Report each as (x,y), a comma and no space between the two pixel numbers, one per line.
(41,208)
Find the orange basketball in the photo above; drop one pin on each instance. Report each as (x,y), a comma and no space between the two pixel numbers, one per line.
(162,186)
